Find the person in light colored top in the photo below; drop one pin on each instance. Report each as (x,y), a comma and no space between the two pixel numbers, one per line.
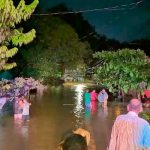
(18,107)
(103,97)
(129,131)
(25,112)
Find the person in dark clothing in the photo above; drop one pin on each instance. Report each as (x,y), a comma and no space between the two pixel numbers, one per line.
(75,142)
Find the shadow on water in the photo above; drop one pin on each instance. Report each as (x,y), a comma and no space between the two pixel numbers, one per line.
(53,113)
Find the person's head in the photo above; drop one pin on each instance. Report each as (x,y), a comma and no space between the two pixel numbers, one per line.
(135,105)
(87,90)
(74,142)
(103,90)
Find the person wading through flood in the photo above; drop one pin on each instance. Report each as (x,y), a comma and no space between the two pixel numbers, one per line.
(87,98)
(25,112)
(102,98)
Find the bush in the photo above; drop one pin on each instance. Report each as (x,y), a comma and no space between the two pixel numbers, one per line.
(53,81)
(145,115)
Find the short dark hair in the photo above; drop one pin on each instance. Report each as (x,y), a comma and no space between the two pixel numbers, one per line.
(74,142)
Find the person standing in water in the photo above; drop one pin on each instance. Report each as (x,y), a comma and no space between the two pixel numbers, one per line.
(25,112)
(87,98)
(103,97)
(93,96)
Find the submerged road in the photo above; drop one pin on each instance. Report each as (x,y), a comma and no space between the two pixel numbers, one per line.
(53,113)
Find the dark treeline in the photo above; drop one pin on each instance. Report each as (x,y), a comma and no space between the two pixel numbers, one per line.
(86,32)
(44,26)
(98,42)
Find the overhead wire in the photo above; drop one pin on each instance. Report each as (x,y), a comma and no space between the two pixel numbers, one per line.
(113,8)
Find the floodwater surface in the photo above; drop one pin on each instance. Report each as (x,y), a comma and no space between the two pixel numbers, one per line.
(56,111)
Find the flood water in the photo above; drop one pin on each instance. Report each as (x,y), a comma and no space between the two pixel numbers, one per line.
(58,110)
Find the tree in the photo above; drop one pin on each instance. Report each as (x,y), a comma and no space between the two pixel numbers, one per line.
(85,31)
(9,35)
(124,68)
(56,48)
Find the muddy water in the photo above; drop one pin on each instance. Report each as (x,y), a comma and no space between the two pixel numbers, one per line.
(53,113)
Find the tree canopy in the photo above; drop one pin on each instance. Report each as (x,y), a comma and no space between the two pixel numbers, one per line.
(125,68)
(56,48)
(10,16)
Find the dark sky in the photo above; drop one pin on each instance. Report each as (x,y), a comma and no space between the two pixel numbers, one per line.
(123,25)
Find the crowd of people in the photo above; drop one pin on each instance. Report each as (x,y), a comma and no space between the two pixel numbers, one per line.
(21,108)
(93,96)
(129,132)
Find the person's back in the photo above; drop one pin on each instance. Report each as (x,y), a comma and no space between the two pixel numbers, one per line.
(93,95)
(26,108)
(75,142)
(129,129)
(130,132)
(87,98)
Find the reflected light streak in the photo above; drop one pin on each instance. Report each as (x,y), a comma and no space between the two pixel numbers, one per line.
(78,110)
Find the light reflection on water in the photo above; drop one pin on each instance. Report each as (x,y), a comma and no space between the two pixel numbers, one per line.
(87,113)
(103,112)
(78,107)
(117,111)
(21,128)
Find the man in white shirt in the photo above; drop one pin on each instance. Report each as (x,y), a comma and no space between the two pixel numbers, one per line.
(129,131)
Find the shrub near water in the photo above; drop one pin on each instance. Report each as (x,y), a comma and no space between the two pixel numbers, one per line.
(145,115)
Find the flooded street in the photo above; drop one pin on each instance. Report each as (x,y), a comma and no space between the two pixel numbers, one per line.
(52,114)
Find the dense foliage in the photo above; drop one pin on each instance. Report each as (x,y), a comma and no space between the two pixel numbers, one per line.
(56,48)
(126,69)
(145,115)
(9,17)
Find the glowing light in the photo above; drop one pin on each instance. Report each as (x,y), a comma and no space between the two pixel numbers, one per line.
(78,110)
(80,88)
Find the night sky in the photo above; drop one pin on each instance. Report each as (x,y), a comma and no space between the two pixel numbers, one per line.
(122,25)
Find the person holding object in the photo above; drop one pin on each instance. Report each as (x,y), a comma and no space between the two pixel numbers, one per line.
(93,95)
